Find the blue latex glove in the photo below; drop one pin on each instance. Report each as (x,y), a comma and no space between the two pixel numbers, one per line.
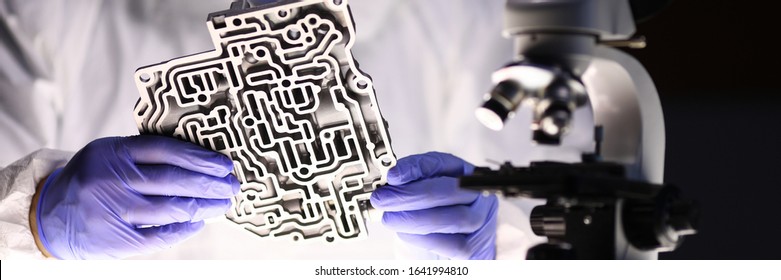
(102,203)
(423,203)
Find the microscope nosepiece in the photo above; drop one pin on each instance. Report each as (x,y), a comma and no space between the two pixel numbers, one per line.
(555,122)
(551,93)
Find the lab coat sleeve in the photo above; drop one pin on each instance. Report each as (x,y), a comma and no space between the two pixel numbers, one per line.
(17,187)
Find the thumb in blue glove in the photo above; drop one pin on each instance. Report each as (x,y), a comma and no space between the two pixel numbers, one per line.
(122,197)
(425,206)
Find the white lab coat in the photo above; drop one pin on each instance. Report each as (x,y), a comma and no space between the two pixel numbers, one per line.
(67,78)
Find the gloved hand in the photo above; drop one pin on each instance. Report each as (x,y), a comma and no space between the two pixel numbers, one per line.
(121,197)
(423,203)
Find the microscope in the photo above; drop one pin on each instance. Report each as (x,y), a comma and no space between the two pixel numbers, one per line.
(614,203)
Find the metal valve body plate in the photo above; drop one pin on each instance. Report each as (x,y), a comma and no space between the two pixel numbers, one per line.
(282,96)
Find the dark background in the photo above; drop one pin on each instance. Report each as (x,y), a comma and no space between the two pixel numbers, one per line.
(718,74)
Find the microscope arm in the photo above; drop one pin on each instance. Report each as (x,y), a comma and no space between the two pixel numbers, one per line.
(626,104)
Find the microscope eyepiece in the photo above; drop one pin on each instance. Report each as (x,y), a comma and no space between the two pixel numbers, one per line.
(505,97)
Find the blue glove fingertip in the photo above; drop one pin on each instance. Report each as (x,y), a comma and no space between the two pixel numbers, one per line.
(226,206)
(403,172)
(395,175)
(384,198)
(235,184)
(197,226)
(225,163)
(376,199)
(468,168)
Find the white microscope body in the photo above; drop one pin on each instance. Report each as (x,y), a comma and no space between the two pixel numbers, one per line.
(564,62)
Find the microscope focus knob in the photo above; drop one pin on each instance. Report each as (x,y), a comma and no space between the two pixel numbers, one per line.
(662,223)
(548,221)
(551,251)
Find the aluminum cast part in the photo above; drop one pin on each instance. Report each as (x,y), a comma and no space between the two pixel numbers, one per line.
(282,96)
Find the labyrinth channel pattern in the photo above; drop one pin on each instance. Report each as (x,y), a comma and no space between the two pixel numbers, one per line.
(281,95)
